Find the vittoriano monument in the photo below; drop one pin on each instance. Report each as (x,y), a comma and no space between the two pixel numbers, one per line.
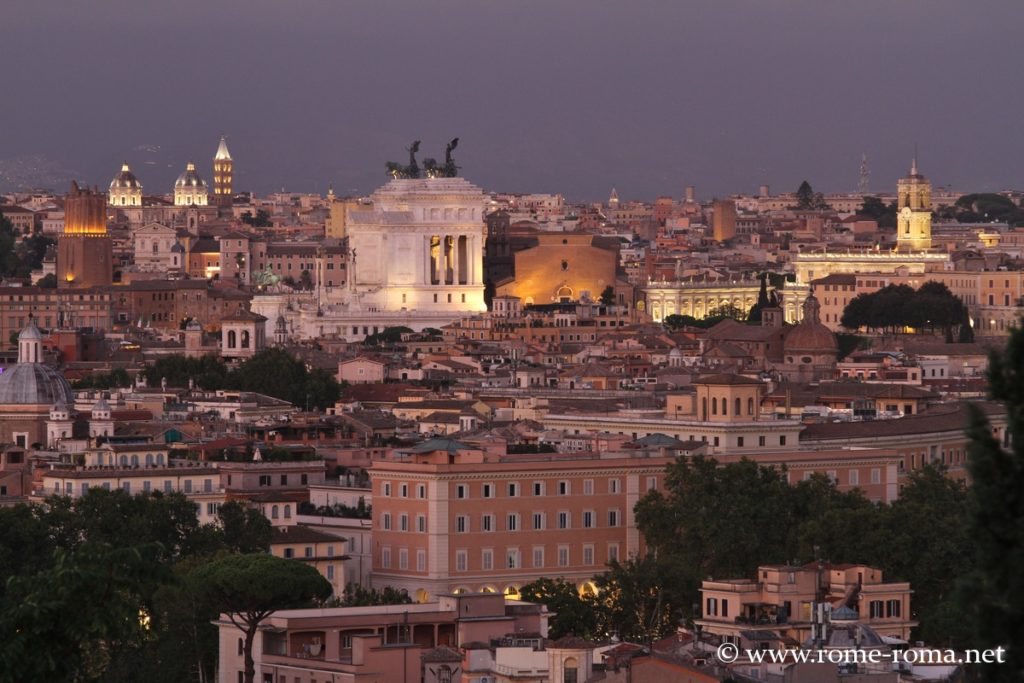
(431,168)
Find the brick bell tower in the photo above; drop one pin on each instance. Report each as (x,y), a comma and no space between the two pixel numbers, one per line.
(223,173)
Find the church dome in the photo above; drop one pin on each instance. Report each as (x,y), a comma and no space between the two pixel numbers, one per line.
(34,384)
(189,179)
(125,180)
(810,335)
(30,333)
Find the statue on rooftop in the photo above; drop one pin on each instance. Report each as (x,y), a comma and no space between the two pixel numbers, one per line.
(396,170)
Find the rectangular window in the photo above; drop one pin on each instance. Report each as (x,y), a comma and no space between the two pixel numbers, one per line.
(760,440)
(421,560)
(613,518)
(876,476)
(265,480)
(461,560)
(487,523)
(876,609)
(386,489)
(613,486)
(487,559)
(538,488)
(892,608)
(782,440)
(385,557)
(403,522)
(563,556)
(512,522)
(460,491)
(421,491)
(588,519)
(588,487)
(421,524)
(403,558)
(854,477)
(538,521)
(538,557)
(385,521)
(725,607)
(563,488)
(563,520)
(613,552)
(330,572)
(652,483)
(188,486)
(487,490)
(404,490)
(462,524)
(588,555)
(512,558)
(513,490)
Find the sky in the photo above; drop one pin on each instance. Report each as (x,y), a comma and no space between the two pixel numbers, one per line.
(559,96)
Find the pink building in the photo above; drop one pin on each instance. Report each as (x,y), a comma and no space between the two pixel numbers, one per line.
(390,643)
(451,518)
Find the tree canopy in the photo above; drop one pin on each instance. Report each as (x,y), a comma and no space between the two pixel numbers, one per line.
(930,308)
(248,588)
(809,200)
(993,594)
(273,372)
(883,214)
(100,579)
(725,520)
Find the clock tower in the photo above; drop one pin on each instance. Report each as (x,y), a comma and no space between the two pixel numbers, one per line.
(914,211)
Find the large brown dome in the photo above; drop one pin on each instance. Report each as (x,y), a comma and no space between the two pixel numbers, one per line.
(810,335)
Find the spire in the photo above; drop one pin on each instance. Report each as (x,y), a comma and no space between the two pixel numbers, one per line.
(124,167)
(222,151)
(913,164)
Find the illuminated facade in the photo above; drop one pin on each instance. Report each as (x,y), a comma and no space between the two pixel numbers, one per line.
(700,298)
(190,189)
(223,173)
(914,211)
(125,189)
(84,251)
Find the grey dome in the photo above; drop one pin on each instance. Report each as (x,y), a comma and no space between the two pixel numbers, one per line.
(30,333)
(125,180)
(189,179)
(34,384)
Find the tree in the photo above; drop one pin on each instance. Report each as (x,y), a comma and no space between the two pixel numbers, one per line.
(639,600)
(245,530)
(809,200)
(608,296)
(248,588)
(48,281)
(996,596)
(574,614)
(355,595)
(930,308)
(883,214)
(306,279)
(260,220)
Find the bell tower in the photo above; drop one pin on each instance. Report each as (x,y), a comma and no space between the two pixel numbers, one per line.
(223,171)
(914,211)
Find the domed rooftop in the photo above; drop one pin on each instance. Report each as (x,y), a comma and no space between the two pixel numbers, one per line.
(34,384)
(189,179)
(30,333)
(125,180)
(810,335)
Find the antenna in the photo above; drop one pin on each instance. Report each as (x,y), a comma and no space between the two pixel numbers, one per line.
(865,175)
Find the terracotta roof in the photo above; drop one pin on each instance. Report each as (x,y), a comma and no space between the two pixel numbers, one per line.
(727,379)
(940,419)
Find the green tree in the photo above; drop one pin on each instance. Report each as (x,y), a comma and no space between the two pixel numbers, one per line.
(248,588)
(608,296)
(995,601)
(809,200)
(48,281)
(306,279)
(209,372)
(574,614)
(883,214)
(245,530)
(260,220)
(638,600)
(355,595)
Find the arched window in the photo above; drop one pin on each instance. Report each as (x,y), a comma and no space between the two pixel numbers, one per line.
(287,511)
(750,406)
(739,408)
(725,406)
(135,461)
(273,512)
(570,671)
(232,341)
(245,339)
(714,406)
(704,408)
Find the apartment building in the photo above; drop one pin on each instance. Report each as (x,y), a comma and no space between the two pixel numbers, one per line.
(451,518)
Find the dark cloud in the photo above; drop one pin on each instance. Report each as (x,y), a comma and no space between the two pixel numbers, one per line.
(570,96)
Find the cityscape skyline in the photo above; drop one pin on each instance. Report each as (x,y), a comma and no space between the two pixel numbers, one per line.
(646,99)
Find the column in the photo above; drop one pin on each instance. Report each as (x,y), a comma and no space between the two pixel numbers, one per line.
(426,260)
(455,259)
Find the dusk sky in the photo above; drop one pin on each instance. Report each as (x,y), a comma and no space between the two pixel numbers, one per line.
(570,96)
